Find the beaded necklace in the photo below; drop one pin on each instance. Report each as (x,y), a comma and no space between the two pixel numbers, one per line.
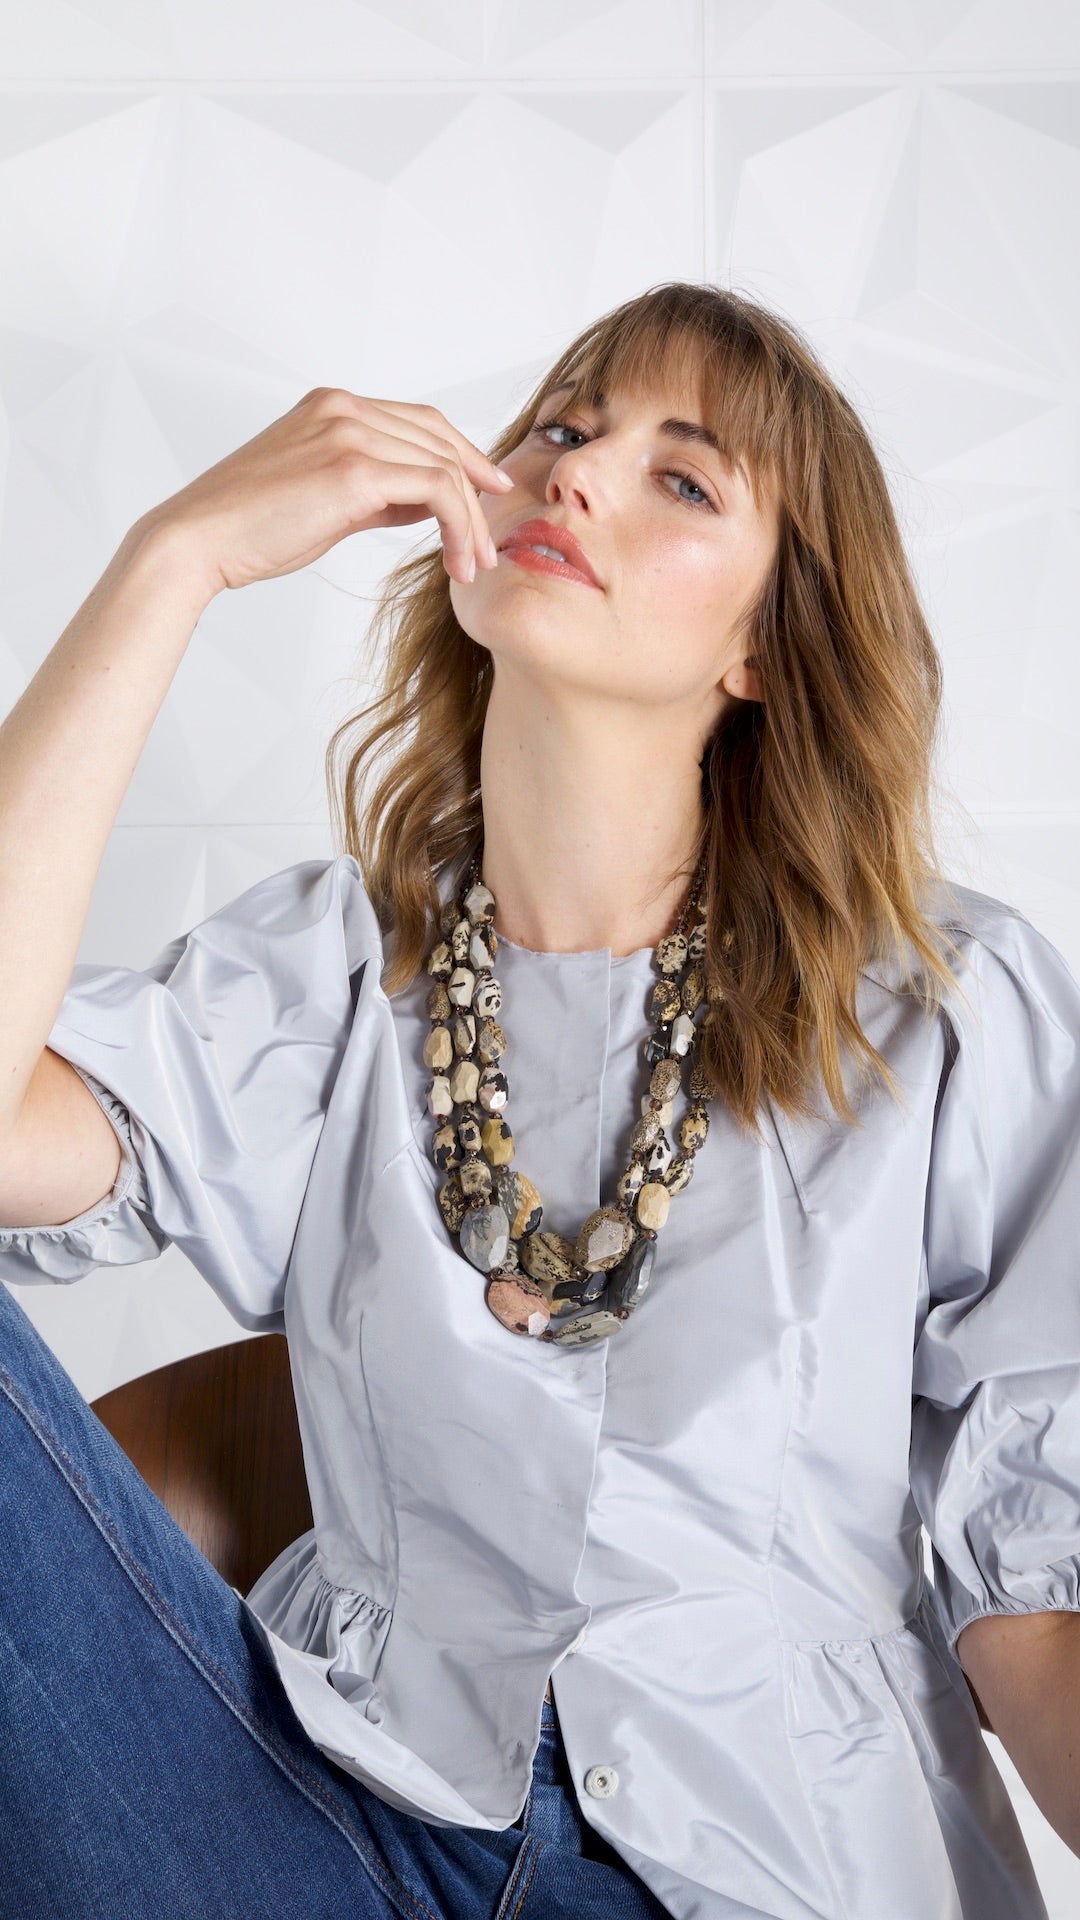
(539,1282)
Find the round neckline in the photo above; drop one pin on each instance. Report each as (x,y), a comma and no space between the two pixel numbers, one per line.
(580,953)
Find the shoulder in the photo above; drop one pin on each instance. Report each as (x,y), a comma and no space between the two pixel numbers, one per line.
(321,903)
(1006,970)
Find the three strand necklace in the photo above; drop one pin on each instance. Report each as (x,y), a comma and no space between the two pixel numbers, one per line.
(539,1282)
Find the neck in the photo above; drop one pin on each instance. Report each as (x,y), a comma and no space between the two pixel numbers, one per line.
(590,827)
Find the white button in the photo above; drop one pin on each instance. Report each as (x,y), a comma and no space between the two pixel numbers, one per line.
(601,1782)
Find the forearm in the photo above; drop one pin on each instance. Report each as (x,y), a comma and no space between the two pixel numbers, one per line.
(68,749)
(1030,1686)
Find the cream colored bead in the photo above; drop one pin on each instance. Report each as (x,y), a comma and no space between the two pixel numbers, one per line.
(653,1203)
(440,1100)
(438,1048)
(460,986)
(464,1081)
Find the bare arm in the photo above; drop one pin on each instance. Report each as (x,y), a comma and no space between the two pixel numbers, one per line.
(68,749)
(1027,1670)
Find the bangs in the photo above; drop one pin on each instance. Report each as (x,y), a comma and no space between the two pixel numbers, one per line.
(711,359)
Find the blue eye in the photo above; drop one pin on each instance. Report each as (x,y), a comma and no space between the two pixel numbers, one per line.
(548,426)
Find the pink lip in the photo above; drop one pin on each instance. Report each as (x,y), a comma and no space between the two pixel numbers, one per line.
(576,565)
(541,563)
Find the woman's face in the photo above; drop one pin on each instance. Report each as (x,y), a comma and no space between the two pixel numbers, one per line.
(671,531)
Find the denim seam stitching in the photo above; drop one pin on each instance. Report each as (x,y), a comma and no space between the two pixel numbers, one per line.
(533,1863)
(265,1735)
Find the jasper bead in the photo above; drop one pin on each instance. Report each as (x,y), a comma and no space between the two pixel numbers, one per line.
(666,1079)
(490,1041)
(693,991)
(452,1202)
(603,1239)
(438,1048)
(628,1284)
(460,986)
(630,1181)
(653,1203)
(521,1200)
(658,1157)
(438,1002)
(696,942)
(666,1000)
(646,1131)
(483,946)
(464,1080)
(694,1128)
(498,1141)
(440,1099)
(683,1034)
(459,940)
(593,1326)
(671,954)
(478,902)
(463,1031)
(488,997)
(484,1234)
(475,1177)
(662,1110)
(679,1173)
(468,1132)
(444,1148)
(548,1256)
(567,1294)
(494,1089)
(518,1304)
(701,1086)
(441,960)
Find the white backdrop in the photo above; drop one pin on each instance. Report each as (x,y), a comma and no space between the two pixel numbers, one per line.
(207,208)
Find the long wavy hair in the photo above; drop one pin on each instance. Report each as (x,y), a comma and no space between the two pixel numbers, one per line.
(817,835)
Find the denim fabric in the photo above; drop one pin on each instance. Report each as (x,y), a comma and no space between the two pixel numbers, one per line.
(151,1765)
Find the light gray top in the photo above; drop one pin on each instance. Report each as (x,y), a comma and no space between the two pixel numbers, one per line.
(716,1513)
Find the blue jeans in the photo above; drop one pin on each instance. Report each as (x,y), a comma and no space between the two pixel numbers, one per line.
(151,1764)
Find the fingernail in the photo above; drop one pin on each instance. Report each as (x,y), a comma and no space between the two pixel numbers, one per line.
(503,475)
(470,573)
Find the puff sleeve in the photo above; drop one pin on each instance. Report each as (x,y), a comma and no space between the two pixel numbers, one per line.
(215,1066)
(995,1454)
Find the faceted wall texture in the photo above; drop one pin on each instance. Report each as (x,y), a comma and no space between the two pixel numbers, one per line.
(207,208)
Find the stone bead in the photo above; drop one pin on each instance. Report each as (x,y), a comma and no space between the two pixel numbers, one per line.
(511,1262)
(498,1142)
(592,1326)
(440,1099)
(464,1079)
(696,942)
(493,1090)
(490,1041)
(448,918)
(603,1240)
(658,1157)
(468,1132)
(460,986)
(683,1034)
(438,1048)
(653,1203)
(463,1031)
(679,1174)
(666,1079)
(693,991)
(548,1256)
(694,1128)
(671,953)
(629,1282)
(583,1292)
(439,1004)
(459,940)
(475,1177)
(646,1131)
(479,904)
(701,1086)
(441,960)
(656,1046)
(484,1234)
(488,996)
(483,946)
(666,1000)
(521,1200)
(518,1304)
(629,1182)
(452,1202)
(664,1110)
(444,1148)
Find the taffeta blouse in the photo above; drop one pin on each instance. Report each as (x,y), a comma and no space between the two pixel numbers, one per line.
(708,1527)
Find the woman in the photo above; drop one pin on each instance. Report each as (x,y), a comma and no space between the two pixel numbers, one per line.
(639,1429)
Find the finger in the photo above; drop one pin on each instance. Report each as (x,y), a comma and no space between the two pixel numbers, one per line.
(421,436)
(438,488)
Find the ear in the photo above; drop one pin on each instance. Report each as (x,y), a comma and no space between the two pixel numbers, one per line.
(743,680)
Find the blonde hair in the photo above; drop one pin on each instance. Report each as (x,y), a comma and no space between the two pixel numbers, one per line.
(817,836)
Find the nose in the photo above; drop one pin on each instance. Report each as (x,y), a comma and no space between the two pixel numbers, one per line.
(571,478)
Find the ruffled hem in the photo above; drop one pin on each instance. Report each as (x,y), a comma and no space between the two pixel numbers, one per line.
(340,1631)
(1048,1590)
(118,1230)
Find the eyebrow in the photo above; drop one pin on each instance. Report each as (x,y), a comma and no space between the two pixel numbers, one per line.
(674,429)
